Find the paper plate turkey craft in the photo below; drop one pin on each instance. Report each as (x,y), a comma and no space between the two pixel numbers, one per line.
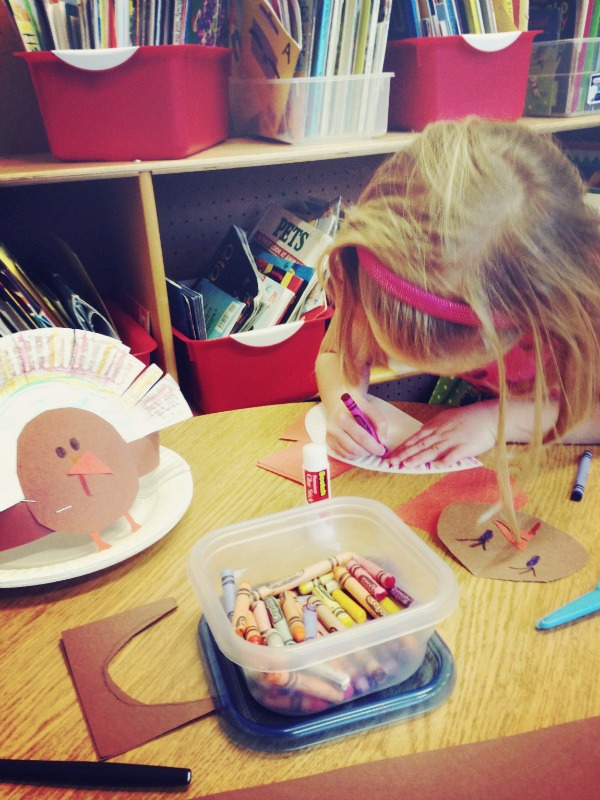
(79,417)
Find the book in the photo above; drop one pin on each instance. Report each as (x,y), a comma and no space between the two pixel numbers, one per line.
(287,248)
(221,310)
(232,268)
(187,310)
(276,301)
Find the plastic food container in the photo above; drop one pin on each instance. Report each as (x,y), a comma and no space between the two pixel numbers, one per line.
(359,660)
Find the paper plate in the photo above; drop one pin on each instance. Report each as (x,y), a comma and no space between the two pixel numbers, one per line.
(401,426)
(162,500)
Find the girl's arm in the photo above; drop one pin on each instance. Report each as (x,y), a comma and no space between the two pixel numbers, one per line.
(471,430)
(344,435)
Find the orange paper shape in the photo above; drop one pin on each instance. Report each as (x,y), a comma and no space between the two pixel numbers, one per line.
(485,551)
(116,721)
(472,486)
(287,463)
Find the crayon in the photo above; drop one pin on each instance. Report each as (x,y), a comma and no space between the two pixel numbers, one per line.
(309,619)
(581,476)
(252,634)
(229,592)
(390,606)
(278,620)
(366,580)
(400,596)
(333,606)
(307,574)
(308,684)
(356,611)
(241,607)
(326,616)
(272,638)
(358,592)
(293,615)
(263,623)
(384,578)
(321,580)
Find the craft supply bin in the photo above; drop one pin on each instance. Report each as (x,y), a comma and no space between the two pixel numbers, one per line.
(276,546)
(273,365)
(450,77)
(564,78)
(300,110)
(127,103)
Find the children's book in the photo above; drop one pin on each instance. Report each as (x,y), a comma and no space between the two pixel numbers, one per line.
(276,301)
(221,310)
(288,249)
(232,268)
(187,310)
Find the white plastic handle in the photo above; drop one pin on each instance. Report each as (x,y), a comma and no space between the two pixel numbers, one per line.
(268,336)
(95,60)
(491,42)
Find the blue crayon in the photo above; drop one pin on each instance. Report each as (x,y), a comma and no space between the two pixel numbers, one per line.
(309,618)
(581,476)
(229,591)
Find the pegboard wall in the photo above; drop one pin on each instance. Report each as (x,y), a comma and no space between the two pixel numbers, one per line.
(195,210)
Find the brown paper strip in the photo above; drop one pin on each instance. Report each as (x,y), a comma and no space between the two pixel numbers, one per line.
(116,721)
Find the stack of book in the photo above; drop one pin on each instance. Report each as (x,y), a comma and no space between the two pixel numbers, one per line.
(74,24)
(257,280)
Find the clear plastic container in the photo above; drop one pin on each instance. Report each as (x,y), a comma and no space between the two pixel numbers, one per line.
(298,110)
(360,659)
(564,78)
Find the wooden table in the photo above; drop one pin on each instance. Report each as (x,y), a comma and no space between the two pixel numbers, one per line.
(510,677)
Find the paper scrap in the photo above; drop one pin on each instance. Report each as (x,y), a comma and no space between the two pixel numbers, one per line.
(287,463)
(473,486)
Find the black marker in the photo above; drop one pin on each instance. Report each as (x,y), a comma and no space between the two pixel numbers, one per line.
(581,477)
(97,774)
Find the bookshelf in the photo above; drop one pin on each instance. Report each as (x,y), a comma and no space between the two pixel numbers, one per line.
(133,223)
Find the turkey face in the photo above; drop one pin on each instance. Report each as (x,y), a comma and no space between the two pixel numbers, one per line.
(76,471)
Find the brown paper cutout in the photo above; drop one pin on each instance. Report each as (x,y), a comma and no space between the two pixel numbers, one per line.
(547,764)
(485,551)
(116,721)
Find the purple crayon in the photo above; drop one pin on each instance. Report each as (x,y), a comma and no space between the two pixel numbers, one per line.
(362,420)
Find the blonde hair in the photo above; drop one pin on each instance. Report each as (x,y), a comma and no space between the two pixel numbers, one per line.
(493,215)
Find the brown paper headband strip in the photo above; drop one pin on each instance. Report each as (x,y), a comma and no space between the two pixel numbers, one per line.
(116,721)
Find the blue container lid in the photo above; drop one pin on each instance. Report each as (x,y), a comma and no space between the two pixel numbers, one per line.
(253,726)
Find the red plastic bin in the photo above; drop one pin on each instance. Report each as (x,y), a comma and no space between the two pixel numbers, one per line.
(450,77)
(126,103)
(257,368)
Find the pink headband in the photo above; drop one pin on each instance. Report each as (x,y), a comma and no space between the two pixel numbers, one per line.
(422,300)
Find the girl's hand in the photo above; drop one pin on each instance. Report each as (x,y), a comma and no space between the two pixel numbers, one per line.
(347,438)
(453,434)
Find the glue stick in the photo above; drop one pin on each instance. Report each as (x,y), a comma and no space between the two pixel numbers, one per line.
(316,472)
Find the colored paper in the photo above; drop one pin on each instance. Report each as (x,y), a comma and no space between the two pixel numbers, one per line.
(474,486)
(549,764)
(288,463)
(487,549)
(116,721)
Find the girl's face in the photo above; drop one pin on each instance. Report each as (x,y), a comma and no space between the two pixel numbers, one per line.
(470,356)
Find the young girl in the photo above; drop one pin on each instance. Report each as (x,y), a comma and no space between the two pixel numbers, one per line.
(471,253)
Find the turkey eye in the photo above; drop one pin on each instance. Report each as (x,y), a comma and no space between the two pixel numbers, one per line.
(61,452)
(74,444)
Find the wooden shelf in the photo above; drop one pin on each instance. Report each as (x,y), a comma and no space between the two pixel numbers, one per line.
(236,154)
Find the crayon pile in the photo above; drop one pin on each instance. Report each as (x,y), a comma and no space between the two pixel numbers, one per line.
(325,598)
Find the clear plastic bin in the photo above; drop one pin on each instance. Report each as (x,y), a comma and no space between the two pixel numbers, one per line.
(564,78)
(297,110)
(376,654)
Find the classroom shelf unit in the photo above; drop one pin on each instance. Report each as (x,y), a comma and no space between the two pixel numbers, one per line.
(133,223)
